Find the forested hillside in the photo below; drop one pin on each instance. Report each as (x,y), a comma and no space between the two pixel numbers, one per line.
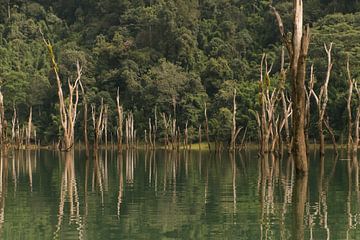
(168,56)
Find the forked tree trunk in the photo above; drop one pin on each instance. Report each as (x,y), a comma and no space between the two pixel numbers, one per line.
(322,99)
(297,47)
(68,109)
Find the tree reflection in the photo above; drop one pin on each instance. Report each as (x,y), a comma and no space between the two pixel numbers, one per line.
(69,195)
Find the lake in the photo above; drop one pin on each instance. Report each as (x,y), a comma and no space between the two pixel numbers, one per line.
(176,195)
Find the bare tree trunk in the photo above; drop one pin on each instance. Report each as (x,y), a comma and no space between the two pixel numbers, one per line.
(150,134)
(28,130)
(199,136)
(13,130)
(86,140)
(2,121)
(166,125)
(351,82)
(98,124)
(119,122)
(322,99)
(68,110)
(297,47)
(284,101)
(207,127)
(357,122)
(234,131)
(105,123)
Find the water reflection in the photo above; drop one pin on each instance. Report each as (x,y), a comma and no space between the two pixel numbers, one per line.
(176,194)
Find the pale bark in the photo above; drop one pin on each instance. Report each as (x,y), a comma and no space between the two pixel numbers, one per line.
(86,140)
(98,123)
(207,127)
(234,130)
(322,99)
(68,111)
(351,82)
(119,121)
(28,130)
(297,48)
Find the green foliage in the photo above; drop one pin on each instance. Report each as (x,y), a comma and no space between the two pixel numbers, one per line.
(161,52)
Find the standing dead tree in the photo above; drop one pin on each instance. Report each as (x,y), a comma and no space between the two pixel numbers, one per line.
(322,100)
(28,129)
(98,123)
(357,121)
(206,126)
(13,127)
(85,102)
(234,130)
(2,121)
(68,109)
(166,124)
(120,121)
(351,83)
(297,46)
(284,101)
(268,102)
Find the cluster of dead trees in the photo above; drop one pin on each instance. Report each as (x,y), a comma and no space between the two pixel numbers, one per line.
(20,136)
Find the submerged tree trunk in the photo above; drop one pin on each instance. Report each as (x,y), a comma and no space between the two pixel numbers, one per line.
(322,99)
(68,108)
(297,48)
(351,82)
(28,130)
(207,127)
(119,122)
(86,140)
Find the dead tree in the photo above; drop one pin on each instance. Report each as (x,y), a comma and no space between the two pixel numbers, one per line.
(13,127)
(85,121)
(357,121)
(322,100)
(98,123)
(207,126)
(351,82)
(119,122)
(297,45)
(284,100)
(105,124)
(234,130)
(308,92)
(166,126)
(2,121)
(68,109)
(28,129)
(199,136)
(268,101)
(129,130)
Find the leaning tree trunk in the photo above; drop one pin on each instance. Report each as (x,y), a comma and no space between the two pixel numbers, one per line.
(297,48)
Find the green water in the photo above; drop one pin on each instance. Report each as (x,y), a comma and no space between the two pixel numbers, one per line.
(167,195)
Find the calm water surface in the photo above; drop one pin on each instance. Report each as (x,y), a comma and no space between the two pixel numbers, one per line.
(168,195)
